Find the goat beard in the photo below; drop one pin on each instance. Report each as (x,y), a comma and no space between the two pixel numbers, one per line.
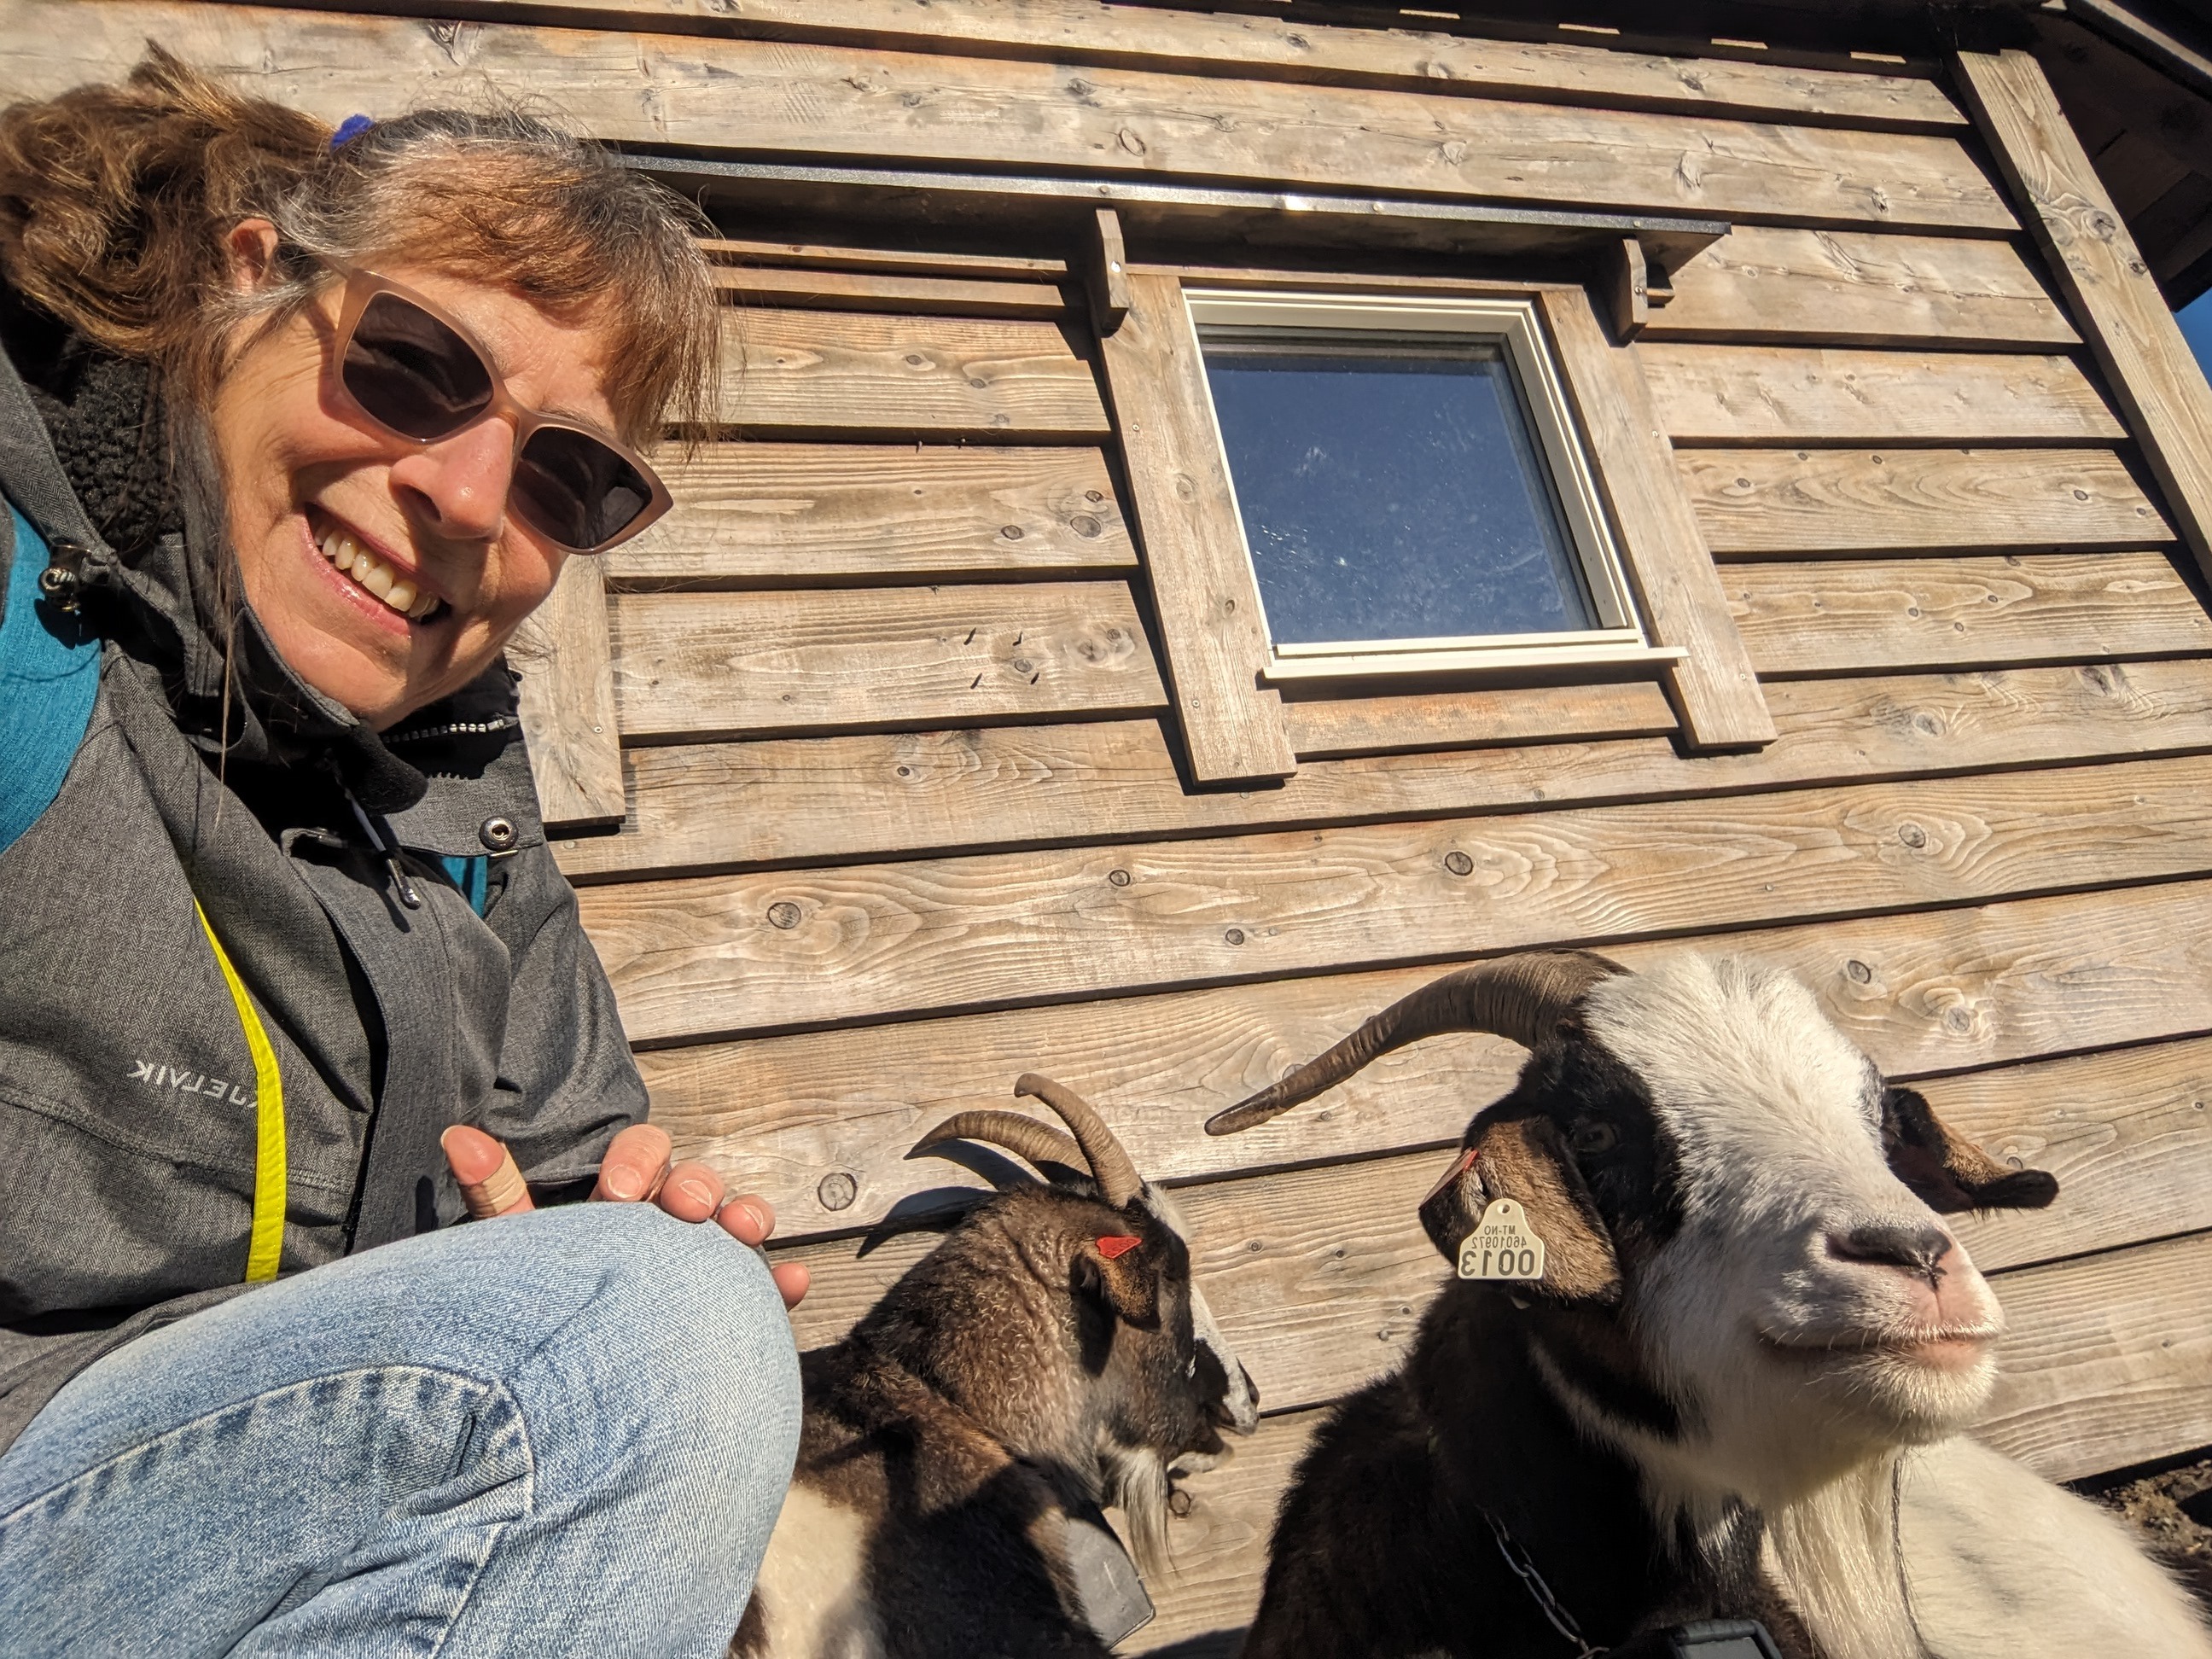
(1136,1483)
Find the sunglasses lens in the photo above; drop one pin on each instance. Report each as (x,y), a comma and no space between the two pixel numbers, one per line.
(408,371)
(575,490)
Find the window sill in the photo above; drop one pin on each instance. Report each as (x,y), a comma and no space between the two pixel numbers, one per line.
(1366,665)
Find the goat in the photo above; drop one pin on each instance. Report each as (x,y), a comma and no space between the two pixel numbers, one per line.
(1736,1390)
(1050,1356)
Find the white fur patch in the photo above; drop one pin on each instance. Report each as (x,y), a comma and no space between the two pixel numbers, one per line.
(2004,1565)
(812,1585)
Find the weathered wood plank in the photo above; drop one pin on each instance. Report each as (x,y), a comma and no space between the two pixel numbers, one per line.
(722,664)
(1852,289)
(1207,599)
(724,954)
(1848,501)
(911,294)
(1678,595)
(2107,1361)
(764,514)
(1929,993)
(568,703)
(2137,342)
(1722,394)
(905,262)
(1081,30)
(698,807)
(852,373)
(1839,615)
(821,102)
(1327,727)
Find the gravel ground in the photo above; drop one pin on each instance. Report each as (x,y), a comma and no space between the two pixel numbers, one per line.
(2175,1509)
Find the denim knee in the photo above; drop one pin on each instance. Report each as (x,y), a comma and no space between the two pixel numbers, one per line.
(684,1345)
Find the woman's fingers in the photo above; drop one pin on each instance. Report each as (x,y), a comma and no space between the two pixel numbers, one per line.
(635,1165)
(748,1217)
(792,1280)
(490,1184)
(692,1191)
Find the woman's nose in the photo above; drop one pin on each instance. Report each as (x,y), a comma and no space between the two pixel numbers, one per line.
(457,487)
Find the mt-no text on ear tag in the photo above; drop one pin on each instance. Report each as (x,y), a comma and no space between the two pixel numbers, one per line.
(1502,1246)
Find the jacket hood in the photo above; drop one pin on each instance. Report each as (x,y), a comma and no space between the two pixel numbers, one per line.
(155,578)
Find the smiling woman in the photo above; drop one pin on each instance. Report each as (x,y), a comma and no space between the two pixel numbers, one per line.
(296,428)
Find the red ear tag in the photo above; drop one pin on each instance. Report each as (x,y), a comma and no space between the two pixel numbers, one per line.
(1114,1246)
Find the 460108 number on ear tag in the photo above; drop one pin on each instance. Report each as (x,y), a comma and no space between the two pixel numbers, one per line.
(1502,1246)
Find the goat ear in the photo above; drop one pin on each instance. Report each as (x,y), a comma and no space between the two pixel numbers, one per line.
(1947,1172)
(1525,1159)
(1124,1278)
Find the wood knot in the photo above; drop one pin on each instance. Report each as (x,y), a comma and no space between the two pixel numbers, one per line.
(783,913)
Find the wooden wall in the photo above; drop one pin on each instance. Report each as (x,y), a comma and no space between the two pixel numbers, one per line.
(903,815)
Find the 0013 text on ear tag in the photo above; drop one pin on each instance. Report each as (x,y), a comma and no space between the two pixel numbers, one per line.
(1502,1246)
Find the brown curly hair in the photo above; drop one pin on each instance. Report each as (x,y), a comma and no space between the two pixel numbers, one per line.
(115,202)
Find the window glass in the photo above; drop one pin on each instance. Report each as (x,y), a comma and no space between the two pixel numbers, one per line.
(1390,489)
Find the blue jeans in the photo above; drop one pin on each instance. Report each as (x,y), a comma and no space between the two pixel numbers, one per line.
(567,1433)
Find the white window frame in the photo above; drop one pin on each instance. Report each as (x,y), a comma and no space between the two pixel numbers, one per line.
(1512,325)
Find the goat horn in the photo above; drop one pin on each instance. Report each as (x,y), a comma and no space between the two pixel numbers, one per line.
(1520,997)
(1111,1165)
(1040,1143)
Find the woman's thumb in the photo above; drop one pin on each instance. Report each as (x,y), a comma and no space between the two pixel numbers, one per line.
(490,1183)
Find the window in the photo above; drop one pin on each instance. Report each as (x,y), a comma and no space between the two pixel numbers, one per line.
(1411,491)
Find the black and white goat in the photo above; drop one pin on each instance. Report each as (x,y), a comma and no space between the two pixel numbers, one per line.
(1738,1389)
(1052,1355)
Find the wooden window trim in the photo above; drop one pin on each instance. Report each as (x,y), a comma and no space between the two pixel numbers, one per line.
(1713,687)
(1208,598)
(567,704)
(1208,603)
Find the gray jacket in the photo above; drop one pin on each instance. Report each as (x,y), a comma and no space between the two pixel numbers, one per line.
(127,1088)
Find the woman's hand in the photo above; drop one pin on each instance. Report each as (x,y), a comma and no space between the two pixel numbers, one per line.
(636,1169)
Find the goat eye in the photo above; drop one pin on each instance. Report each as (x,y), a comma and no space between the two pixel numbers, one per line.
(1592,1137)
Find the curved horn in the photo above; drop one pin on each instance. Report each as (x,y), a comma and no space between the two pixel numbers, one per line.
(1116,1174)
(1040,1143)
(1520,997)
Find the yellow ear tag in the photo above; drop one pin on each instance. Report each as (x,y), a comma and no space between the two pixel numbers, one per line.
(1502,1246)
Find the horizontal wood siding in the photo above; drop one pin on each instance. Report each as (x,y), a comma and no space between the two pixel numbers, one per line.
(819,102)
(1760,503)
(789,515)
(721,665)
(831,374)
(908,810)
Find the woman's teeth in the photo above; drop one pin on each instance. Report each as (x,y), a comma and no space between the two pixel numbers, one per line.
(369,571)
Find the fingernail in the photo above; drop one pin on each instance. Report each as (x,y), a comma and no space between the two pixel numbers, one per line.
(621,1185)
(760,1221)
(697,1191)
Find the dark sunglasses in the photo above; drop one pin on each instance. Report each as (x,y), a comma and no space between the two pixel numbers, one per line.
(416,372)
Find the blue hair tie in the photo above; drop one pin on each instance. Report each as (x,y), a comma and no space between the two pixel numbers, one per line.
(351,128)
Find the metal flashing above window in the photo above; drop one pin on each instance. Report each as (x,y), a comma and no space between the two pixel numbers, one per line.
(1412,492)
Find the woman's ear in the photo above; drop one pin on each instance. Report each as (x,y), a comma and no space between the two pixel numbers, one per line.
(252,246)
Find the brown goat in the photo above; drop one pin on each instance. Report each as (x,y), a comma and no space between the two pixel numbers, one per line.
(1050,1356)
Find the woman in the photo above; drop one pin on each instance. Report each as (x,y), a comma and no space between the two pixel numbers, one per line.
(295,429)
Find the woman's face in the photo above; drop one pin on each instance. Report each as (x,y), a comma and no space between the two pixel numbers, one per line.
(303,474)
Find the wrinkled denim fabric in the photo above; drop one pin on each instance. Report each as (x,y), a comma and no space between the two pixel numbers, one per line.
(561,1433)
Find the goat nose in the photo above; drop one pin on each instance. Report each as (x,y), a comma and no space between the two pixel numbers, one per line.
(1891,1244)
(1251,1388)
